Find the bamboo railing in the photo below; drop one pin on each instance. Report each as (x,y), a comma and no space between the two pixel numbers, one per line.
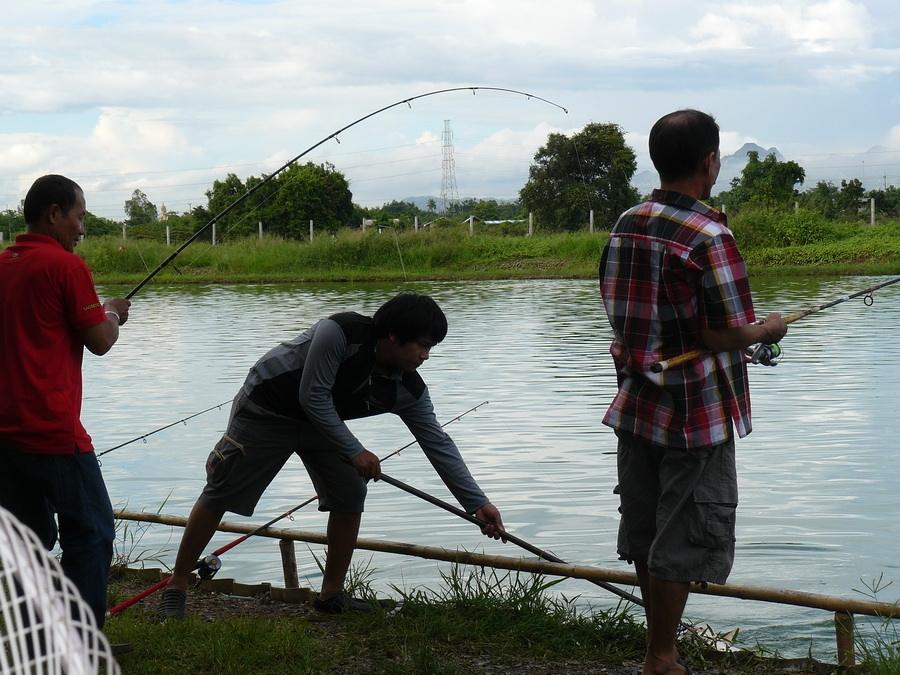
(844,609)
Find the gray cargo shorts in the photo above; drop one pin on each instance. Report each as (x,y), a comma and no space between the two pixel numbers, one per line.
(678,509)
(255,448)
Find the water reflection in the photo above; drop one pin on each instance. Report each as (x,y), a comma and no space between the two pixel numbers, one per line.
(817,497)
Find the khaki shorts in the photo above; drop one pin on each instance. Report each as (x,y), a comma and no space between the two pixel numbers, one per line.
(678,509)
(255,448)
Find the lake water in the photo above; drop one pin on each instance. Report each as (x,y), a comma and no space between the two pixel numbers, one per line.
(818,496)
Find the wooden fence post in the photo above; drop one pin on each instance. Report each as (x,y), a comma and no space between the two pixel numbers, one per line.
(289,563)
(843,628)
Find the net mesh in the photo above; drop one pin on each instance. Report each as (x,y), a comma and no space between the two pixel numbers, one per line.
(45,625)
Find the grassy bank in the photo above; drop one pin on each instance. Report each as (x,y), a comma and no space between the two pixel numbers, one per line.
(478,621)
(790,245)
(352,256)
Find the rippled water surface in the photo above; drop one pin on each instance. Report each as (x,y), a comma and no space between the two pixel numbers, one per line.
(819,493)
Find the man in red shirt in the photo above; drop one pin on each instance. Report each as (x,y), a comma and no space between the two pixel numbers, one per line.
(673,281)
(50,311)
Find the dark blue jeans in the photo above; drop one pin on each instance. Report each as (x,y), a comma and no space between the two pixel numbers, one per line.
(37,487)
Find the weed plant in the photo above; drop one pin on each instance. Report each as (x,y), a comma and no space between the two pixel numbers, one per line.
(878,644)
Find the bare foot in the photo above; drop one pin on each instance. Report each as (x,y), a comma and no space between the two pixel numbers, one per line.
(654,665)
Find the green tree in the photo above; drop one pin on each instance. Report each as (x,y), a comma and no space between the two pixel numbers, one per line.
(850,197)
(139,210)
(823,198)
(887,201)
(766,183)
(316,192)
(98,226)
(570,176)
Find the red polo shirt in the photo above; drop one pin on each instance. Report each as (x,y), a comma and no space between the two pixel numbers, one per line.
(47,298)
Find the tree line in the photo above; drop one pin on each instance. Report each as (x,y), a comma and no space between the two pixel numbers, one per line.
(570,176)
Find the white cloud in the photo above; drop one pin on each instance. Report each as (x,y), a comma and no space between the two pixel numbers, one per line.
(157,93)
(833,25)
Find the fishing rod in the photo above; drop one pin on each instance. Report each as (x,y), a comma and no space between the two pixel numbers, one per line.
(333,135)
(156,431)
(207,566)
(758,354)
(625,595)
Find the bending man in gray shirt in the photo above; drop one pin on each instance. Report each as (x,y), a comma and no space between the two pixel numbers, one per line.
(295,399)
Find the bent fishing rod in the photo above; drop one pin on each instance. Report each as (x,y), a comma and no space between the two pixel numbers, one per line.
(207,566)
(866,294)
(334,135)
(506,536)
(156,431)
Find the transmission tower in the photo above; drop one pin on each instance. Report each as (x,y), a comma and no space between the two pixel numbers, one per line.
(449,193)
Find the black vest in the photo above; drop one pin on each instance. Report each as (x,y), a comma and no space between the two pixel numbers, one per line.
(357,391)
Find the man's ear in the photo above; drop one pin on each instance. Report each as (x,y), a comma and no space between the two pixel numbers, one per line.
(53,213)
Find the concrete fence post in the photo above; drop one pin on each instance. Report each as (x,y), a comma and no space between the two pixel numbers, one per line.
(214,234)
(123,232)
(415,223)
(168,235)
(260,230)
(310,230)
(591,225)
(530,223)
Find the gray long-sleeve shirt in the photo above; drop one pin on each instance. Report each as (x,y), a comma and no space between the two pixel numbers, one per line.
(305,376)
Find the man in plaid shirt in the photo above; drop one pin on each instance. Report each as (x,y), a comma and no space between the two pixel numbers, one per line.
(672,281)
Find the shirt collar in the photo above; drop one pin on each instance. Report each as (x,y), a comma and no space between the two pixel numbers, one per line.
(684,201)
(35,238)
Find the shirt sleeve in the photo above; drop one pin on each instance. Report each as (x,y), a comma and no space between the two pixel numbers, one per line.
(326,351)
(443,454)
(727,302)
(83,307)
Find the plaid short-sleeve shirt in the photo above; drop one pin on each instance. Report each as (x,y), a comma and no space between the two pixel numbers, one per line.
(672,267)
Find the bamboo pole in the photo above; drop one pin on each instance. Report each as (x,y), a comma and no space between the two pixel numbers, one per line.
(743,592)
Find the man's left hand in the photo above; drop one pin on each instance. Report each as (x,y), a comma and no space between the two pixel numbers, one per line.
(493,522)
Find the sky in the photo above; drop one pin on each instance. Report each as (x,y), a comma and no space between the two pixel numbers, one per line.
(166,96)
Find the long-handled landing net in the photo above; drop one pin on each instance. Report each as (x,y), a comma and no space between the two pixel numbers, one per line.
(45,625)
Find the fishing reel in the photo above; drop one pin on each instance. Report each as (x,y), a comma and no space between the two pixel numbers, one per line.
(208,566)
(763,354)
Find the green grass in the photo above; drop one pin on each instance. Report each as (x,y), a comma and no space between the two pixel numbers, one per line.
(474,616)
(450,253)
(235,645)
(478,620)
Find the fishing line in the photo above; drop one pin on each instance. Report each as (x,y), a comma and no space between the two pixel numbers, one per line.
(210,564)
(334,135)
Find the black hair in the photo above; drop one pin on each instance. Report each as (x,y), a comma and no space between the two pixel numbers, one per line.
(679,142)
(47,191)
(410,316)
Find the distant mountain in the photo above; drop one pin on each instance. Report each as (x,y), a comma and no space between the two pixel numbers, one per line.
(732,165)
